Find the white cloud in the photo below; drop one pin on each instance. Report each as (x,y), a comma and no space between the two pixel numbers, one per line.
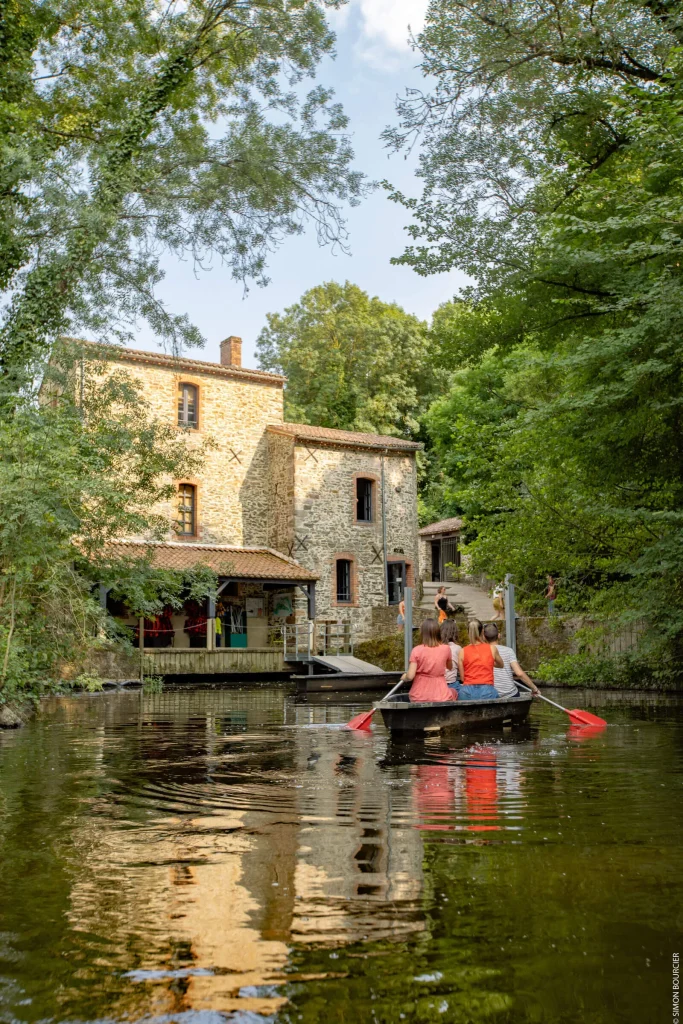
(384,23)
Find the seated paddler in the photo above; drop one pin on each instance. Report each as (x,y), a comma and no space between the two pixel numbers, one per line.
(427,667)
(477,662)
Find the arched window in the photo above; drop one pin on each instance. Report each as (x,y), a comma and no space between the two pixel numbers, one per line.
(187,510)
(188,405)
(344,591)
(364,500)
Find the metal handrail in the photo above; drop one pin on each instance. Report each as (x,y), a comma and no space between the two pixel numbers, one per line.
(297,640)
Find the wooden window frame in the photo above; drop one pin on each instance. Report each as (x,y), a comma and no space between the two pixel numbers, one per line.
(374,499)
(344,556)
(195,509)
(188,384)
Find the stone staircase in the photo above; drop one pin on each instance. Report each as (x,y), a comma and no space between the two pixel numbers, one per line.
(474,600)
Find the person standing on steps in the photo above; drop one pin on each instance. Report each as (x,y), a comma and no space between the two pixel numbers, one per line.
(551,594)
(499,600)
(442,604)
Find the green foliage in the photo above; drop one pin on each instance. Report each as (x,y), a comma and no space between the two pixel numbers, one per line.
(153,684)
(127,130)
(351,361)
(561,439)
(75,474)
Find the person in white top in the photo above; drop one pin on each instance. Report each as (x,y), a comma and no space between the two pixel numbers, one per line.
(504,678)
(449,635)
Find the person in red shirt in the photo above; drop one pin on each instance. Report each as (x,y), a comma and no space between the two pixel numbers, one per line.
(477,661)
(427,666)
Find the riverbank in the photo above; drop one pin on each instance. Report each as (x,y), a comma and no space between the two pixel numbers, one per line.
(549,649)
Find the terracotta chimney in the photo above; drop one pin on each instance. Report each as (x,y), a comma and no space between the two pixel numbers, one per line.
(231,351)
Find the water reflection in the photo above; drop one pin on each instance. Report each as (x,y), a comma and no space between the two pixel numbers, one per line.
(237,852)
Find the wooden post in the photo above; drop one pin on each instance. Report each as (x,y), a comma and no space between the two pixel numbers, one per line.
(141,645)
(510,618)
(407,626)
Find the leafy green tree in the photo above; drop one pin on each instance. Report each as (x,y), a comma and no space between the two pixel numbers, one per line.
(130,129)
(351,361)
(562,441)
(81,466)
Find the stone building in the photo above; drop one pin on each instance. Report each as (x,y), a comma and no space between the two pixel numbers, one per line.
(299,522)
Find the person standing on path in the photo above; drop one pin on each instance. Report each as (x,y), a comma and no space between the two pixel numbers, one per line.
(442,604)
(477,662)
(427,667)
(499,600)
(551,594)
(504,678)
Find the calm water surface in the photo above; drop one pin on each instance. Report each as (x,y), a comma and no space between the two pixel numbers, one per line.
(233,855)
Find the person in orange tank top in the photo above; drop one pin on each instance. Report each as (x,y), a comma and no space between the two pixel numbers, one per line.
(476,662)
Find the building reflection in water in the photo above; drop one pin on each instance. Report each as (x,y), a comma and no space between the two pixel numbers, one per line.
(218,843)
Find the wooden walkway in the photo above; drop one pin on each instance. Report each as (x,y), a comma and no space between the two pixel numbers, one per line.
(224,661)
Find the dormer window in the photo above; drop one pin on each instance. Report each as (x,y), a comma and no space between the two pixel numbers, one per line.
(188,406)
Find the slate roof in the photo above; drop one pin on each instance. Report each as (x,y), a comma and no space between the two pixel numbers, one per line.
(342,438)
(224,559)
(444,526)
(121,354)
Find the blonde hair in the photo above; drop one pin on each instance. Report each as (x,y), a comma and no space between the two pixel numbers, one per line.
(474,628)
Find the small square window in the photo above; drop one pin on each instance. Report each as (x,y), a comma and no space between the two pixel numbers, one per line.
(343,581)
(364,509)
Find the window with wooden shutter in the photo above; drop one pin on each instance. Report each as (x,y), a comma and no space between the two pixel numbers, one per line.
(188,406)
(187,510)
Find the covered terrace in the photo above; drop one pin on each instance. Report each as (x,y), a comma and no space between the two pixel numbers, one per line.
(238,630)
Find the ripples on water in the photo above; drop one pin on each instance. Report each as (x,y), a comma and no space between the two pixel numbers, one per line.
(208,855)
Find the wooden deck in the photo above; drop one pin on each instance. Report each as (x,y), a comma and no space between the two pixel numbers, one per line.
(225,661)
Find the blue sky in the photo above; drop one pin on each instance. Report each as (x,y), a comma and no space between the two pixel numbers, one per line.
(374,63)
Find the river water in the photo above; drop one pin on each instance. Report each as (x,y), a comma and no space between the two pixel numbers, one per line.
(211,855)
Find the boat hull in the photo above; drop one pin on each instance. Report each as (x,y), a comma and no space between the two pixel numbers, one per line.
(337,682)
(403,717)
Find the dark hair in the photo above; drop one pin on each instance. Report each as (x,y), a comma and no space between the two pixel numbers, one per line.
(449,631)
(431,634)
(491,631)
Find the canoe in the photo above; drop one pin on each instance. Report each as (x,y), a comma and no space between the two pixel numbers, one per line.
(400,716)
(336,682)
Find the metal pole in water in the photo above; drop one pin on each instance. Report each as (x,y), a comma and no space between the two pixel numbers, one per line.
(408,626)
(510,631)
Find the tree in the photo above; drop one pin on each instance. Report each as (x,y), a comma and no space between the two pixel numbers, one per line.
(351,361)
(562,441)
(133,128)
(83,465)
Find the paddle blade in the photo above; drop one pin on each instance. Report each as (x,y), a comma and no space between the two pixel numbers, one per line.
(361,721)
(581,733)
(585,718)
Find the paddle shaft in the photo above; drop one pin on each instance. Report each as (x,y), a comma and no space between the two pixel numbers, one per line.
(399,684)
(540,695)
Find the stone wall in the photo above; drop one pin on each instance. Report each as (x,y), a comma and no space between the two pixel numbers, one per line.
(232,488)
(281,493)
(325,526)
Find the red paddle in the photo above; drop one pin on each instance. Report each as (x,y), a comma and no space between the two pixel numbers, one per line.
(363,720)
(577,716)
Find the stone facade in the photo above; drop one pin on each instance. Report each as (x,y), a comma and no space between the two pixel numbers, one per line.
(324,528)
(288,487)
